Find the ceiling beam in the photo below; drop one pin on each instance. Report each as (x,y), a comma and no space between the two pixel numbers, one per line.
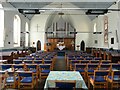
(59,0)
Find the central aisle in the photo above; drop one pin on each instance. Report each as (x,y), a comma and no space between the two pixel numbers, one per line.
(60,64)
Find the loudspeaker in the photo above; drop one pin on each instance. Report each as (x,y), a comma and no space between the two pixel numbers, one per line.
(96,41)
(112,40)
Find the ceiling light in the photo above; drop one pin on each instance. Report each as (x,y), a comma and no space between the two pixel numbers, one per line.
(60,13)
(29,11)
(96,11)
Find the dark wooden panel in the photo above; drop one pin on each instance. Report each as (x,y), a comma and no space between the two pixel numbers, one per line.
(67,43)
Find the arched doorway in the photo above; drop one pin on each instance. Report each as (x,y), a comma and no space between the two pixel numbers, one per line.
(38,45)
(82,46)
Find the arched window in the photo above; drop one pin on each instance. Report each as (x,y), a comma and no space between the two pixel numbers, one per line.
(26,34)
(2,36)
(95,27)
(17,24)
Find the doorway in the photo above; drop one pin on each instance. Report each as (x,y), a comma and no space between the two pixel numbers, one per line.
(82,46)
(38,45)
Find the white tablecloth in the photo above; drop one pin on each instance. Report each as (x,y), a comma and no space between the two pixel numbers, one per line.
(64,75)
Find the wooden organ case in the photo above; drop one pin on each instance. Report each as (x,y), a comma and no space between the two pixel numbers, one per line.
(60,32)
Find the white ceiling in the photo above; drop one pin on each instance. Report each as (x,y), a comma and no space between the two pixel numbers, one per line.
(60,0)
(39,4)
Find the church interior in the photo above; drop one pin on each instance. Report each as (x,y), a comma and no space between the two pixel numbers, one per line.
(59,44)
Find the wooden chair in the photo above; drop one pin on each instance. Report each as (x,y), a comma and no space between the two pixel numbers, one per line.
(99,79)
(3,76)
(38,58)
(115,66)
(49,62)
(68,61)
(105,61)
(65,85)
(22,58)
(95,61)
(29,58)
(6,66)
(26,79)
(48,58)
(38,62)
(91,67)
(33,68)
(88,58)
(28,61)
(80,58)
(44,70)
(84,61)
(97,58)
(20,67)
(11,80)
(72,64)
(114,79)
(16,61)
(105,67)
(82,69)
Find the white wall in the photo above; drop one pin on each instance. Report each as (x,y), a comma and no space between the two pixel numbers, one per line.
(80,22)
(118,33)
(38,33)
(113,25)
(8,25)
(99,28)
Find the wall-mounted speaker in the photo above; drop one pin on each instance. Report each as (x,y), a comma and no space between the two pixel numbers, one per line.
(112,40)
(96,41)
(8,42)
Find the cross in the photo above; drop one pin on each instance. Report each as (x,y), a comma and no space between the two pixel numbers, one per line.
(37,27)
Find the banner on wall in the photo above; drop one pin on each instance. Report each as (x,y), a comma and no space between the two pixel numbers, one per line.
(105,29)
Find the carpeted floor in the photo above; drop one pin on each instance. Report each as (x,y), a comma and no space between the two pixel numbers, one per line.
(60,64)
